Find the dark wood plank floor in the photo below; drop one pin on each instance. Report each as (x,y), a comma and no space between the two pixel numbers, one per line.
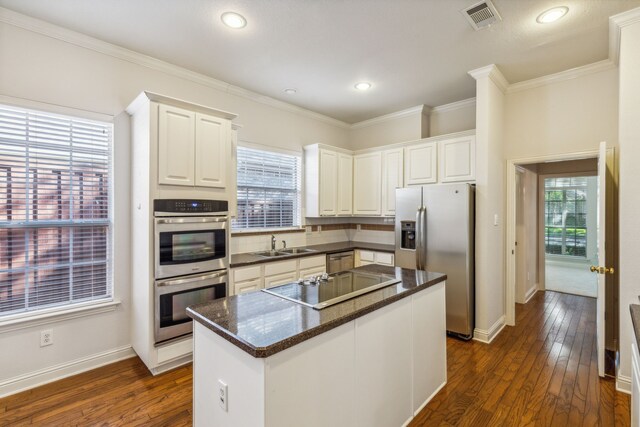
(541,372)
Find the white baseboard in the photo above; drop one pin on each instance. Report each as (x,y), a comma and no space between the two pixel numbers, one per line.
(183,360)
(63,370)
(530,294)
(486,336)
(417,411)
(623,384)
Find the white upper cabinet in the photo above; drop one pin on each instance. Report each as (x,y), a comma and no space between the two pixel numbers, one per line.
(420,163)
(457,159)
(194,149)
(367,186)
(328,181)
(392,178)
(212,151)
(176,146)
(345,184)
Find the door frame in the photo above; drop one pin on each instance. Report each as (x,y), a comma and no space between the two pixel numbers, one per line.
(510,235)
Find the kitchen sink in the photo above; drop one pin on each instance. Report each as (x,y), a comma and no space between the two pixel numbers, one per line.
(271,254)
(293,251)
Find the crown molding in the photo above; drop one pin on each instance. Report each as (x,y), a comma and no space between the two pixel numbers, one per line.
(419,109)
(72,37)
(616,23)
(570,74)
(454,106)
(493,72)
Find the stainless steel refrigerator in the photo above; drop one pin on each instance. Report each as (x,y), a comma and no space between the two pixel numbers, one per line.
(435,231)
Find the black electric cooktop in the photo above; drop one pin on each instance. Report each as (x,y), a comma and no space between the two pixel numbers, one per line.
(338,288)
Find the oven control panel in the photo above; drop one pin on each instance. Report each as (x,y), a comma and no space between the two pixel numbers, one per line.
(190,206)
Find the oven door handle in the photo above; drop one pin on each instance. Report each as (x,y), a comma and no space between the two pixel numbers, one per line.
(191,279)
(195,220)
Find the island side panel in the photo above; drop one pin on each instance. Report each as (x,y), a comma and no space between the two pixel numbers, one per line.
(217,359)
(312,383)
(429,344)
(383,366)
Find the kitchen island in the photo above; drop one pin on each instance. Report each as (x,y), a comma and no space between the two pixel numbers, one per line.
(374,360)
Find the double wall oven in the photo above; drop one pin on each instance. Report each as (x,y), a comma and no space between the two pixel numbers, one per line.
(191,239)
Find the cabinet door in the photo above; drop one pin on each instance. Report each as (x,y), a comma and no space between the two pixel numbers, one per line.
(457,159)
(392,178)
(420,162)
(367,186)
(248,286)
(313,271)
(211,151)
(279,279)
(345,184)
(384,258)
(328,182)
(176,146)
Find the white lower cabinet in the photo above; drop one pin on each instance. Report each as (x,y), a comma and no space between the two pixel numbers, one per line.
(371,257)
(635,386)
(269,274)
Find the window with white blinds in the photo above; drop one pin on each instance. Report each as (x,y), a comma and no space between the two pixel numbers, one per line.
(268,189)
(55,174)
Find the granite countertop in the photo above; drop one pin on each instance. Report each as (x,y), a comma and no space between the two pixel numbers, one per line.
(635,319)
(241,260)
(262,324)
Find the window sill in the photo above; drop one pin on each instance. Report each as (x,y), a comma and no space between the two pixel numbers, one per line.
(58,314)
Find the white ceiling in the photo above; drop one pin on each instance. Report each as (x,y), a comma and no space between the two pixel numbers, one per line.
(412,51)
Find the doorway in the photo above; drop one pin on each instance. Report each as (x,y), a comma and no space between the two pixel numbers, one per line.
(563,238)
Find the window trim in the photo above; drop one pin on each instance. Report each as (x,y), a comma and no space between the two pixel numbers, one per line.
(30,318)
(296,153)
(544,210)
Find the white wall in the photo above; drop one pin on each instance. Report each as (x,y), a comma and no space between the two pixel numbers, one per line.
(399,127)
(60,73)
(629,201)
(455,117)
(562,117)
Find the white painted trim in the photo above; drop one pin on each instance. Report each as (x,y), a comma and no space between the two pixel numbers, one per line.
(55,108)
(493,72)
(63,370)
(623,384)
(616,22)
(182,360)
(50,30)
(531,293)
(419,109)
(59,314)
(561,76)
(454,106)
(486,336)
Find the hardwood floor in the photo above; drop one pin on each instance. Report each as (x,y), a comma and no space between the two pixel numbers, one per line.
(541,372)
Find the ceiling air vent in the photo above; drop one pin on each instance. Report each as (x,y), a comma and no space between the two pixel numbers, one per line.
(482,15)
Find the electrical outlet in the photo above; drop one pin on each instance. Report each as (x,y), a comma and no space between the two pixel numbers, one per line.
(358,227)
(46,337)
(223,397)
(319,228)
(308,229)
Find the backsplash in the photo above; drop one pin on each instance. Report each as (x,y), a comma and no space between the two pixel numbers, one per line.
(329,233)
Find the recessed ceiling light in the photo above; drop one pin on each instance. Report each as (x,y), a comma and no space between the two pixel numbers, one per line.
(552,15)
(362,86)
(290,91)
(233,20)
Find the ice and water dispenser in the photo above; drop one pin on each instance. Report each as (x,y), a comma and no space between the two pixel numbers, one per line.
(408,235)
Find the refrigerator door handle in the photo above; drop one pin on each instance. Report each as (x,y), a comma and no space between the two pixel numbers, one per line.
(420,238)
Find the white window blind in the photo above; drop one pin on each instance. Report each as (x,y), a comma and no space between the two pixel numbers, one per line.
(268,189)
(55,174)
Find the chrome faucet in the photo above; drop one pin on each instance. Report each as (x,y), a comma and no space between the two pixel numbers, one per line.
(284,244)
(273,242)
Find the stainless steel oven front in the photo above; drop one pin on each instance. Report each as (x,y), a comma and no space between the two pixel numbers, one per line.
(173,296)
(190,236)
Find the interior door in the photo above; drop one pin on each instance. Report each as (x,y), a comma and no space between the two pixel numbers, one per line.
(601,270)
